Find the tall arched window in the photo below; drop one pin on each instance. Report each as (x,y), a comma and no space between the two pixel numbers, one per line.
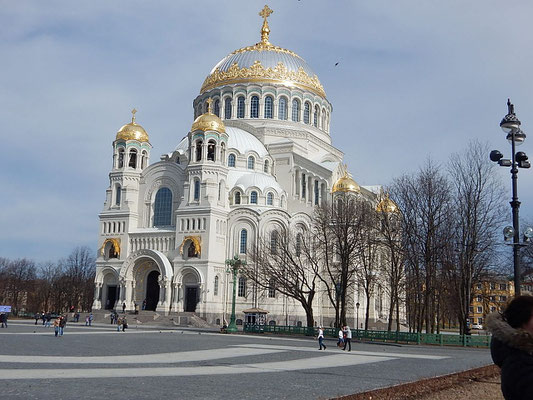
(254,107)
(144,159)
(231,160)
(271,288)
(206,107)
(120,158)
(133,159)
(163,207)
(211,147)
(215,287)
(251,162)
(269,106)
(227,108)
(265,167)
(282,108)
(199,144)
(298,244)
(253,197)
(237,197)
(242,287)
(317,193)
(222,152)
(315,116)
(244,241)
(307,112)
(118,195)
(240,107)
(274,242)
(217,108)
(270,198)
(324,119)
(196,189)
(296,110)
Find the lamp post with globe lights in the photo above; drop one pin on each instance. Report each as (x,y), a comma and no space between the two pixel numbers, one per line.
(233,267)
(510,124)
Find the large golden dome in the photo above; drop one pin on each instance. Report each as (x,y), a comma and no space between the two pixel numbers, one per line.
(386,205)
(346,184)
(264,62)
(208,122)
(132,131)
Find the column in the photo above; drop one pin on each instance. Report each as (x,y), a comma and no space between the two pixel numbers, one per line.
(128,293)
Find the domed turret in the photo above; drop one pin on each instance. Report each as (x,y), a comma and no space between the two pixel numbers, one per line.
(132,131)
(346,184)
(386,205)
(208,121)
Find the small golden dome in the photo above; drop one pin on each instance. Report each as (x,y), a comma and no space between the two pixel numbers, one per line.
(387,206)
(346,184)
(132,131)
(208,121)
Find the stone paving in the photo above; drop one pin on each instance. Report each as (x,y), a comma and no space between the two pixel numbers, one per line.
(149,363)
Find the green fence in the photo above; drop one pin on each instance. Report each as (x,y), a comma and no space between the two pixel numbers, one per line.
(379,336)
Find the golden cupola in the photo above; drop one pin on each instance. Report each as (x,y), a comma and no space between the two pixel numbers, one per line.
(264,62)
(386,205)
(132,131)
(208,121)
(346,184)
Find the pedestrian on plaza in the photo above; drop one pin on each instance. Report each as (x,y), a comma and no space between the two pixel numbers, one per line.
(512,347)
(56,326)
(340,342)
(91,319)
(119,323)
(43,317)
(123,308)
(135,308)
(144,304)
(37,317)
(111,317)
(347,338)
(124,324)
(3,320)
(321,338)
(62,325)
(77,316)
(86,320)
(48,319)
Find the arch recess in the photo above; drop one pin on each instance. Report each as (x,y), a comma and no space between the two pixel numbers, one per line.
(162,262)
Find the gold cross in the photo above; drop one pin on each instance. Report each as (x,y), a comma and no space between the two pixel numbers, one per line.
(265,12)
(133,112)
(209,105)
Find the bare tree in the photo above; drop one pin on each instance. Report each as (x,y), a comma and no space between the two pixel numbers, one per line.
(77,282)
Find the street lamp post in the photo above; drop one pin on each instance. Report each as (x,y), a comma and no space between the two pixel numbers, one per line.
(510,124)
(233,266)
(357,307)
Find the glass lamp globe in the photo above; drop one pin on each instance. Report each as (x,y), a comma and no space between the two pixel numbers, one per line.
(519,137)
(508,232)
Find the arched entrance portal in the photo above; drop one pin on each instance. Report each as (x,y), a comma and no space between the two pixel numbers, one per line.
(152,290)
(192,292)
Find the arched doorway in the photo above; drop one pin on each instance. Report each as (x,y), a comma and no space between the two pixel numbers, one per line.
(192,292)
(152,290)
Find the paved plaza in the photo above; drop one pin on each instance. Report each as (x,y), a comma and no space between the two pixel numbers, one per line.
(149,363)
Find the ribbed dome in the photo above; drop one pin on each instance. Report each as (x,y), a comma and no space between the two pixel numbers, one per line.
(208,122)
(132,131)
(346,184)
(387,206)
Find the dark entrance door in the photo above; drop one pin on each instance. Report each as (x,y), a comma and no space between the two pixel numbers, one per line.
(111,297)
(191,298)
(152,290)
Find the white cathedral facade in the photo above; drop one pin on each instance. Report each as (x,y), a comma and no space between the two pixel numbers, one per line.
(258,157)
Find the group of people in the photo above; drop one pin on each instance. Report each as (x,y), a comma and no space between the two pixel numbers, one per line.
(45,317)
(59,325)
(345,338)
(89,320)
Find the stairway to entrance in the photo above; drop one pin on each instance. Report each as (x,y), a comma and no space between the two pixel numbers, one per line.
(145,317)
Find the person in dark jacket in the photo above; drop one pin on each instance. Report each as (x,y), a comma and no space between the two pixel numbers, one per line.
(512,347)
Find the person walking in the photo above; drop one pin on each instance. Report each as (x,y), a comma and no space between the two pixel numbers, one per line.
(37,317)
(124,308)
(511,347)
(3,320)
(62,324)
(347,338)
(43,317)
(91,317)
(340,342)
(48,319)
(119,323)
(56,326)
(321,338)
(124,324)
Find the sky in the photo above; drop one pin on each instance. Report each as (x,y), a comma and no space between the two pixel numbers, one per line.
(415,79)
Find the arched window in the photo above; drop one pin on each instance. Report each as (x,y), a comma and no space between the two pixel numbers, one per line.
(211,147)
(237,197)
(112,253)
(296,110)
(324,119)
(282,201)
(222,152)
(251,162)
(133,159)
(274,242)
(253,197)
(315,116)
(231,160)
(121,157)
(217,108)
(163,207)
(227,108)
(282,108)
(118,195)
(265,167)
(298,245)
(307,113)
(144,159)
(199,144)
(206,107)
(196,189)
(270,198)
(242,287)
(191,251)
(219,190)
(244,241)
(271,288)
(215,287)
(254,107)
(317,194)
(269,106)
(240,107)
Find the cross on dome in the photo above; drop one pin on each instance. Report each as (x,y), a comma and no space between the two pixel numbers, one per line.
(133,112)
(265,30)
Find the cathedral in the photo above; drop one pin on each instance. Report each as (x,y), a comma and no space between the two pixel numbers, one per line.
(258,157)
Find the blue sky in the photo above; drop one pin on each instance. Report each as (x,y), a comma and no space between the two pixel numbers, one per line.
(415,79)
